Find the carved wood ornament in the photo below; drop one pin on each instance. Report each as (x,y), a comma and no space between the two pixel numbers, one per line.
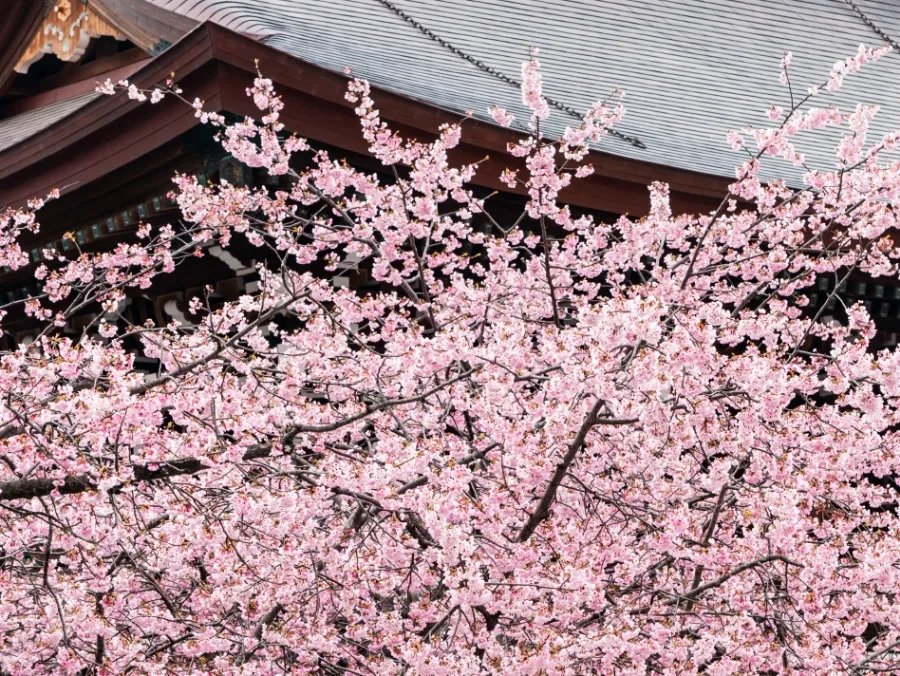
(66,32)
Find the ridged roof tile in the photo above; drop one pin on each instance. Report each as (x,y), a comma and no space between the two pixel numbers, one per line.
(692,69)
(16,129)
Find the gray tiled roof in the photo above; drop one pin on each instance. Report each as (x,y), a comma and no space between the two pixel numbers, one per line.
(16,129)
(692,69)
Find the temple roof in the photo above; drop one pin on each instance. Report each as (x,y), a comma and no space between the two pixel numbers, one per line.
(36,93)
(692,69)
(85,149)
(20,127)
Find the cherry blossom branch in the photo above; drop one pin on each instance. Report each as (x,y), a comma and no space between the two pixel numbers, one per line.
(718,582)
(542,511)
(71,485)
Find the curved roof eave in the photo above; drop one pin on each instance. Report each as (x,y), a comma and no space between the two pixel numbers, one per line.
(21,19)
(217,64)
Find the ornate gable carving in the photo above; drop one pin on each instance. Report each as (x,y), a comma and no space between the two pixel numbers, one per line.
(66,32)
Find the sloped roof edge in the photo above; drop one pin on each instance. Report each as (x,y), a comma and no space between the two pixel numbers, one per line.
(21,19)
(224,62)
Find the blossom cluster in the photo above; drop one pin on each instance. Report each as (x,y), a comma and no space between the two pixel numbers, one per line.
(546,445)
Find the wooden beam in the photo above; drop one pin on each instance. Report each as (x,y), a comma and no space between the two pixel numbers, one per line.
(92,69)
(81,82)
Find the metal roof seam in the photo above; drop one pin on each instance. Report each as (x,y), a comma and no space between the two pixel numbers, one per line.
(481,65)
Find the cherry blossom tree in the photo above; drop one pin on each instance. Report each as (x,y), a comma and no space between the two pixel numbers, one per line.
(549,446)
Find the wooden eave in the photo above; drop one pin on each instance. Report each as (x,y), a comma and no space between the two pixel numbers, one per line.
(121,66)
(21,19)
(216,65)
(111,131)
(70,25)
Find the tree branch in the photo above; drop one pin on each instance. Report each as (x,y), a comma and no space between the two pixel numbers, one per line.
(694,593)
(543,508)
(24,489)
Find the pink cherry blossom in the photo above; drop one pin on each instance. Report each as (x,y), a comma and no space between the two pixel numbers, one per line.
(500,116)
(545,445)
